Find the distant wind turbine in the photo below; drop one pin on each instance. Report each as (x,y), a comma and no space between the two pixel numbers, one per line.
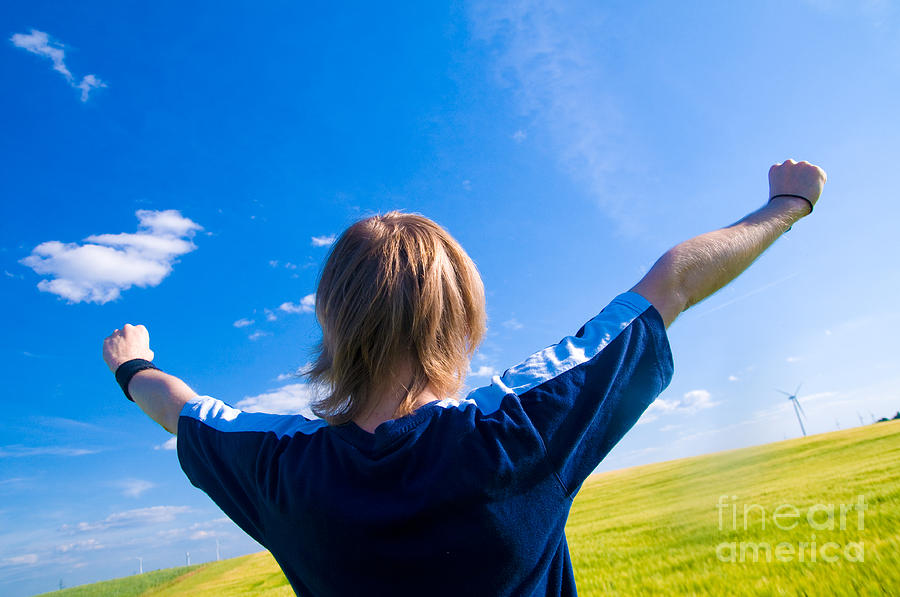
(797,408)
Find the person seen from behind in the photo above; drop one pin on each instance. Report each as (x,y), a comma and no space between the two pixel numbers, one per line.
(401,486)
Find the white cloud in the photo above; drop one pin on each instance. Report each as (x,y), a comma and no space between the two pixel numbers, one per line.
(85,545)
(298,372)
(28,558)
(169,444)
(689,403)
(38,42)
(129,518)
(482,371)
(242,323)
(546,55)
(291,399)
(323,241)
(19,451)
(198,530)
(762,288)
(306,305)
(696,400)
(87,83)
(106,264)
(793,359)
(512,324)
(519,136)
(258,334)
(733,378)
(270,315)
(134,487)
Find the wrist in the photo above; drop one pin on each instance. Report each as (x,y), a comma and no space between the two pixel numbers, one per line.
(794,205)
(126,371)
(789,209)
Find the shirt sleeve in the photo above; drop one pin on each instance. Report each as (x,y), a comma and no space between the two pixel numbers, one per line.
(232,456)
(585,392)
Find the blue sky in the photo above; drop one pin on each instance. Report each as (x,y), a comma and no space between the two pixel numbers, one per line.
(565,148)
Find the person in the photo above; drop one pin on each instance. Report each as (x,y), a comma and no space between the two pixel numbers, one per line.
(399,487)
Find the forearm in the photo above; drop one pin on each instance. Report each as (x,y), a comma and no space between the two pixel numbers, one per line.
(697,268)
(161,396)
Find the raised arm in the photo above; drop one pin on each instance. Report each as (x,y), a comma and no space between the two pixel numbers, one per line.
(159,394)
(695,269)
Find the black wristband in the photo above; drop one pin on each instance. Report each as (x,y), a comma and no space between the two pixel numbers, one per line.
(797,196)
(126,371)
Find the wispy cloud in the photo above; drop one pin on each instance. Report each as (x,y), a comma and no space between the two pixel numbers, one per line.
(323,241)
(38,42)
(69,424)
(482,371)
(242,323)
(749,294)
(24,559)
(19,451)
(546,55)
(691,402)
(83,545)
(134,487)
(512,324)
(259,334)
(198,530)
(129,518)
(291,399)
(89,82)
(14,481)
(306,305)
(297,373)
(99,269)
(293,266)
(169,444)
(881,14)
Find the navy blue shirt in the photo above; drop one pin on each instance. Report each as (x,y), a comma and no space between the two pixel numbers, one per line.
(461,497)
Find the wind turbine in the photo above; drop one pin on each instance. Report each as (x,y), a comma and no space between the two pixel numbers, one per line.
(797,408)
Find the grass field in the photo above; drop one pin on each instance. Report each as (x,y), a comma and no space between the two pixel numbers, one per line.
(677,527)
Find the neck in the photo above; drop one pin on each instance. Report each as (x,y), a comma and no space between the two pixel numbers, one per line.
(386,409)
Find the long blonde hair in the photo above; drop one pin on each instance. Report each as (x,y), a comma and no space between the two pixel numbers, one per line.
(396,291)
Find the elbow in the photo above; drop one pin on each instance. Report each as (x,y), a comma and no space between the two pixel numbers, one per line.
(663,288)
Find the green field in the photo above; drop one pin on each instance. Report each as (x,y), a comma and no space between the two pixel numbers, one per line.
(666,529)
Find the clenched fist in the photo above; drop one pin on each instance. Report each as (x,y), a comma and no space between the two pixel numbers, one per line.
(797,178)
(131,342)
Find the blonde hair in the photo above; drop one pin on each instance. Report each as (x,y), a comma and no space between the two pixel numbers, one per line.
(397,293)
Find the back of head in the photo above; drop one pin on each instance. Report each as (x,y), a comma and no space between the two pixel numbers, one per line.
(400,304)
